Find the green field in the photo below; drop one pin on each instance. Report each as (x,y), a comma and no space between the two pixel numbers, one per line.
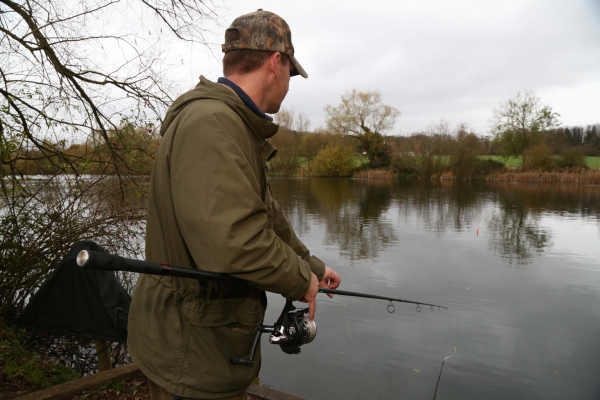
(509,162)
(592,162)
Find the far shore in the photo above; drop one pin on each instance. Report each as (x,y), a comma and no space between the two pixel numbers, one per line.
(588,177)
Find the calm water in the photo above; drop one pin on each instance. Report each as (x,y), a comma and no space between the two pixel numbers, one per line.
(517,264)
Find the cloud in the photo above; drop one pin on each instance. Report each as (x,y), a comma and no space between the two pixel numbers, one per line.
(438,59)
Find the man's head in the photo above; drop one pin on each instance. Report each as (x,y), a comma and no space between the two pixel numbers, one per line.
(259,46)
(251,37)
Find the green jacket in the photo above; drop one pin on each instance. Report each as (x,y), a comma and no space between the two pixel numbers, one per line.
(211,208)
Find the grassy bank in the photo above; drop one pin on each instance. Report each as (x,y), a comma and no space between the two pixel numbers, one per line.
(374,174)
(591,162)
(585,177)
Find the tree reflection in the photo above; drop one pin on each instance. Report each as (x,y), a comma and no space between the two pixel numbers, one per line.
(515,231)
(441,205)
(355,213)
(516,236)
(292,196)
(352,212)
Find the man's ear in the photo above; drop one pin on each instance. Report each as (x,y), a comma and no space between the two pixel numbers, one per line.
(272,63)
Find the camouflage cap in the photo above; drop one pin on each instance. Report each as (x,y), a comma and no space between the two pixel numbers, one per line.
(263,30)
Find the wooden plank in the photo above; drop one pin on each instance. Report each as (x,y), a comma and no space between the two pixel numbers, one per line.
(69,389)
(126,373)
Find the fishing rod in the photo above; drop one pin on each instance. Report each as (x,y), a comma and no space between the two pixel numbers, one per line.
(293,327)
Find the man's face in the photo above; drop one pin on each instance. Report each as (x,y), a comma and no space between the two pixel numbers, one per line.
(281,85)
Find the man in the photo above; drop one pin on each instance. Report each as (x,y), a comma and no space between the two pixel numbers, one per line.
(211,208)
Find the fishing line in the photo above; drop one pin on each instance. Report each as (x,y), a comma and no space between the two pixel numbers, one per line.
(438,382)
(443,362)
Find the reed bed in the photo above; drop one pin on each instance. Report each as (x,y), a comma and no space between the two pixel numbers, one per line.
(585,177)
(373,174)
(447,176)
(303,171)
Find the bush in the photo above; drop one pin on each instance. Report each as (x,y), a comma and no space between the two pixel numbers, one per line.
(287,160)
(334,160)
(405,165)
(312,143)
(571,158)
(538,158)
(488,166)
(21,367)
(464,164)
(42,218)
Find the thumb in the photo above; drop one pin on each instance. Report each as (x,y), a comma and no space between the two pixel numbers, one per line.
(312,307)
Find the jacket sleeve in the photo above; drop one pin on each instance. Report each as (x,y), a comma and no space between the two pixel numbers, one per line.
(284,230)
(219,209)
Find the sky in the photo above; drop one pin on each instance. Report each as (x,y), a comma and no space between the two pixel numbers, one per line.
(431,59)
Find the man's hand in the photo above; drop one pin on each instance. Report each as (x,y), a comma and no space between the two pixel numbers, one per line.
(330,280)
(311,296)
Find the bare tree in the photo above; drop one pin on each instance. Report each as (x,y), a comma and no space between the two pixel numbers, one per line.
(94,71)
(363,115)
(290,121)
(358,110)
(519,121)
(68,67)
(288,140)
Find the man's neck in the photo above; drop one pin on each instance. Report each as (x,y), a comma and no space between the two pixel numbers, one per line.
(246,99)
(254,87)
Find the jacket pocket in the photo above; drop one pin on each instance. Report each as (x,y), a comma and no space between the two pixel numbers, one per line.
(207,365)
(244,307)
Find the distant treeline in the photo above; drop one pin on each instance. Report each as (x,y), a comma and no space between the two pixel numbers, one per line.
(128,151)
(586,140)
(438,151)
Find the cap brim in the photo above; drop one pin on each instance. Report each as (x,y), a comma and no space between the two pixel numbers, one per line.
(298,70)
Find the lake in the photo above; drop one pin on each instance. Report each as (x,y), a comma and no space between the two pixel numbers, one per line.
(516,264)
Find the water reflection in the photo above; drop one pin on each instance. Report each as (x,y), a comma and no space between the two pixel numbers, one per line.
(515,230)
(440,205)
(351,211)
(359,227)
(513,333)
(517,236)
(363,217)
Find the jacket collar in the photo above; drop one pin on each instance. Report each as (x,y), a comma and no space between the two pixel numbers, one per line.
(261,128)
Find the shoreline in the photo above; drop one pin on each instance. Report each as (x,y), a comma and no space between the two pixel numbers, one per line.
(588,177)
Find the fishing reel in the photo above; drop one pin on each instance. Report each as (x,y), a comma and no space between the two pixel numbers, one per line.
(292,330)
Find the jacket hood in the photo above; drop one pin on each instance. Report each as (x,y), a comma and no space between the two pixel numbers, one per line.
(206,89)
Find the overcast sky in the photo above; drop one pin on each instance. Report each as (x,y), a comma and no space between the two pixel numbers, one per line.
(434,59)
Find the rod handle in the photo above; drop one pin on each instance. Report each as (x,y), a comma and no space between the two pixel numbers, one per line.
(110,262)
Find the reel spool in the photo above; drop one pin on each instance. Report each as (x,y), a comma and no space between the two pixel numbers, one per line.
(292,330)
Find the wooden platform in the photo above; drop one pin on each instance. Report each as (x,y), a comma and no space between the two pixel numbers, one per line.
(126,373)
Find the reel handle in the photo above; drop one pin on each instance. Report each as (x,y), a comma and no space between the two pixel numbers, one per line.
(248,362)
